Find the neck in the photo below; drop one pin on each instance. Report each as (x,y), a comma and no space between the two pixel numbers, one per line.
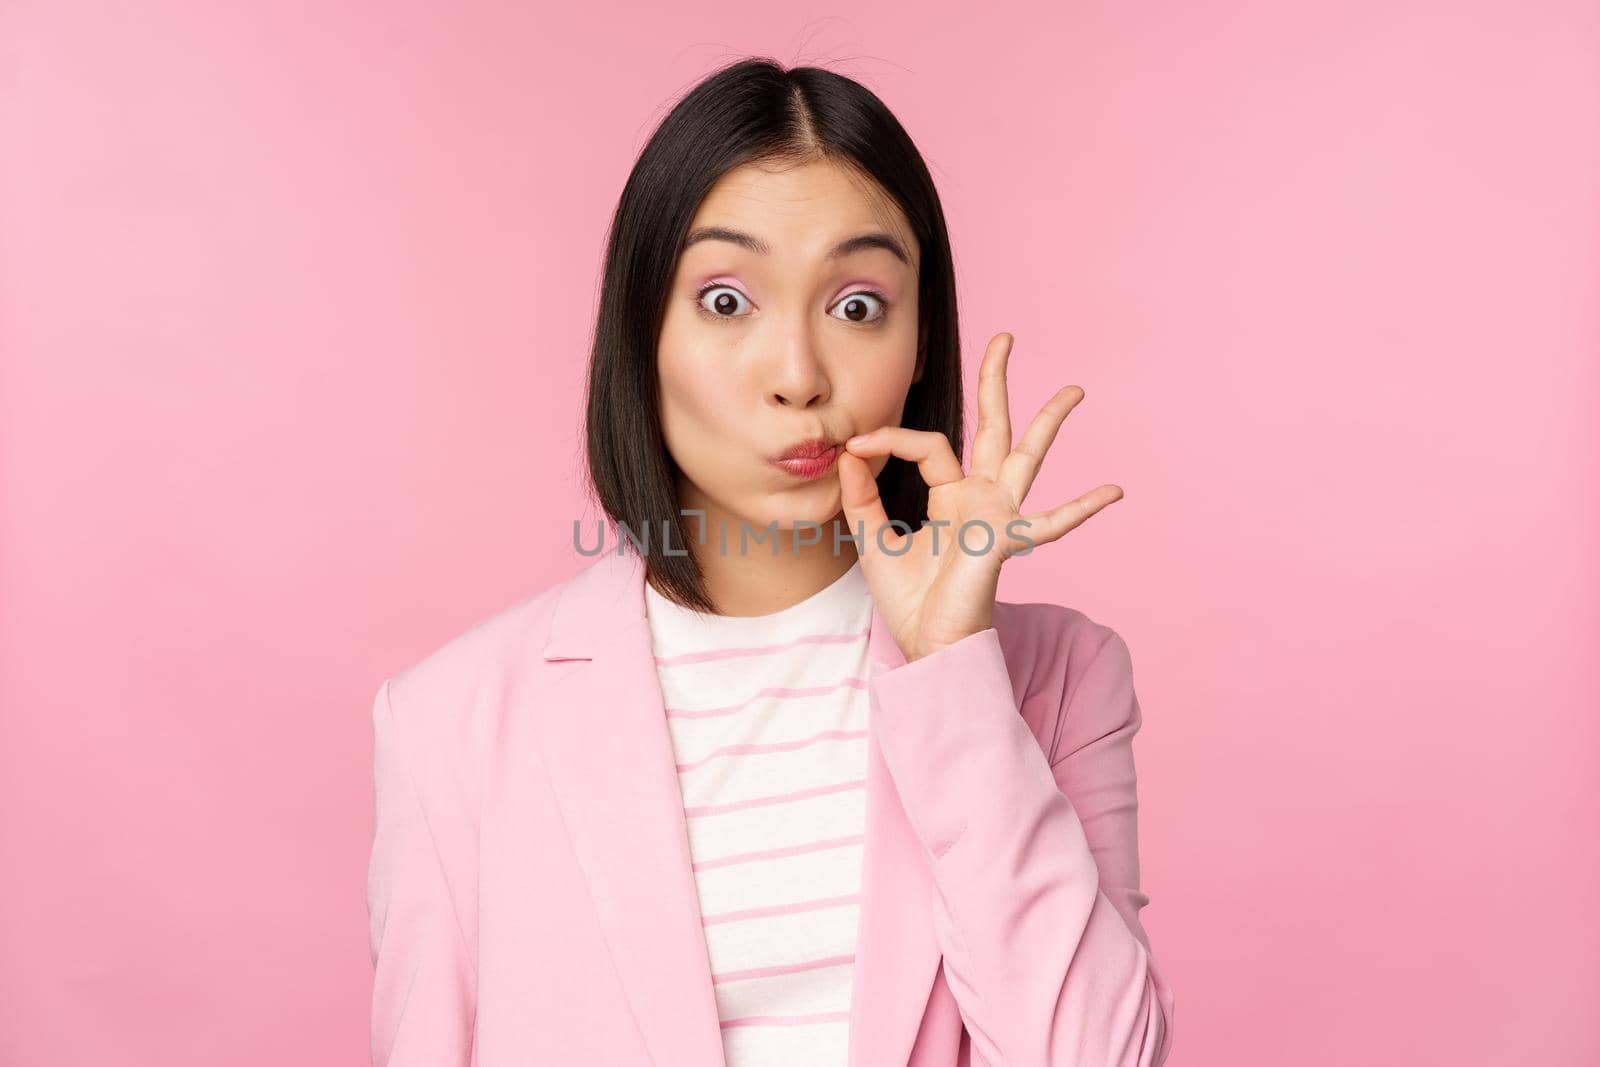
(753,579)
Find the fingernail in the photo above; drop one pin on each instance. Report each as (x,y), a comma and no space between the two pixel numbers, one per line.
(856,440)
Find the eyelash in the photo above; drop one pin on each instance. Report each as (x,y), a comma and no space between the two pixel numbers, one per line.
(712,315)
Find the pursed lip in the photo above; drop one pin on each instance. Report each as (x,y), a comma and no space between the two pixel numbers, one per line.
(813,448)
(809,459)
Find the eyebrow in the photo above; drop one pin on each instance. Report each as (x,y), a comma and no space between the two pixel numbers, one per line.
(849,246)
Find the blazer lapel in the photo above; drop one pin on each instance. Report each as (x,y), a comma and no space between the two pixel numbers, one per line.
(610,759)
(897,952)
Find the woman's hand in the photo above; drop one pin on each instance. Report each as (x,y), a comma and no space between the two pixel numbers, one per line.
(937,585)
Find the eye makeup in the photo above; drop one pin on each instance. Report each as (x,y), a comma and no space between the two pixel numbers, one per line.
(849,290)
(699,297)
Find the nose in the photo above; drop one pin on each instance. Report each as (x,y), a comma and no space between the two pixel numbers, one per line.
(798,377)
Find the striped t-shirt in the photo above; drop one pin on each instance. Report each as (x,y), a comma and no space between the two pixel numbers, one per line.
(768,719)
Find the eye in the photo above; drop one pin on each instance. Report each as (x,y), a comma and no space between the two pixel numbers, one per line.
(723,304)
(858,306)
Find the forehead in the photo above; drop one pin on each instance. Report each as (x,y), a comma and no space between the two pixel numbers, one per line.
(801,210)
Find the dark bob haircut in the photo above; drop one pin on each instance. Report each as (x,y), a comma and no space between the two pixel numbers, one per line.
(752,111)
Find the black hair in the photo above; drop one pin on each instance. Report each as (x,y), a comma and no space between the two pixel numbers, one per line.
(749,111)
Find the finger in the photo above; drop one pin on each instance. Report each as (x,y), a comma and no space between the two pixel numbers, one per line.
(863,507)
(1046,526)
(993,438)
(928,449)
(1022,465)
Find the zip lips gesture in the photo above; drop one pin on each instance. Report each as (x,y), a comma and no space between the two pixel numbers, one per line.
(937,585)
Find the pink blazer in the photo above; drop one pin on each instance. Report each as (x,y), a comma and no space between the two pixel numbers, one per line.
(530,893)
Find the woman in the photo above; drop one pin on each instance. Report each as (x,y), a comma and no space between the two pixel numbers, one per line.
(783,782)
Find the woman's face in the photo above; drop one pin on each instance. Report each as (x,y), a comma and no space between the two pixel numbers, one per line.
(795,338)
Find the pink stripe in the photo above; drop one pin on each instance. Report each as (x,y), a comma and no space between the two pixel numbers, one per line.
(778,853)
(760,650)
(782,968)
(781,692)
(776,798)
(788,1020)
(776,746)
(781,909)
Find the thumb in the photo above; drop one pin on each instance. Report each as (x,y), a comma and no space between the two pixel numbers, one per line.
(863,507)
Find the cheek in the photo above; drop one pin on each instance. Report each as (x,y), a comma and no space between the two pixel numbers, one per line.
(885,393)
(879,398)
(694,396)
(691,394)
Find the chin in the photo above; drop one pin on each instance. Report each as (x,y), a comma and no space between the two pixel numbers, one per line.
(817,503)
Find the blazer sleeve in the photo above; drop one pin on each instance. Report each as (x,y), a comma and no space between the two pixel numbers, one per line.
(424,985)
(1034,857)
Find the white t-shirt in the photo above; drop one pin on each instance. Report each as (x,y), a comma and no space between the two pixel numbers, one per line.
(768,719)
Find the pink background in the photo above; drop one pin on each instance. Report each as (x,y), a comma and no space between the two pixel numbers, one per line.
(294,312)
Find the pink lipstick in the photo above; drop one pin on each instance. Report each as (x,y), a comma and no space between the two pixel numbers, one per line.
(808,459)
